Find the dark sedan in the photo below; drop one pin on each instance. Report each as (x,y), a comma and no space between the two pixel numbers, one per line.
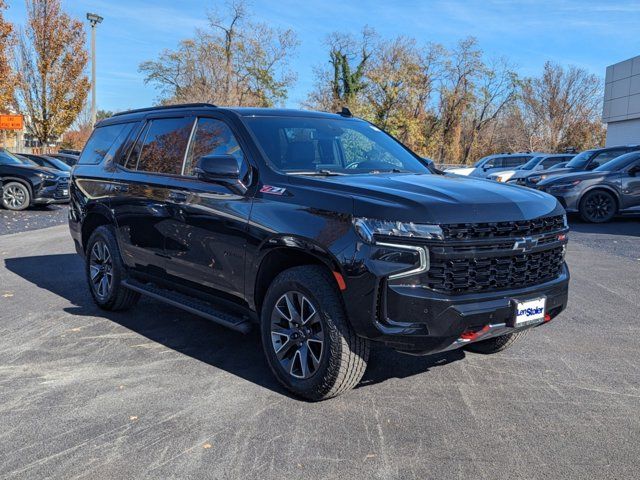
(600,194)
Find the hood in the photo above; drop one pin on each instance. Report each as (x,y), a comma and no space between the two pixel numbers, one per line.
(426,198)
(460,171)
(567,177)
(556,171)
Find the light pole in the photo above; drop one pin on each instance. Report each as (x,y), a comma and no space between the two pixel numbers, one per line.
(94,20)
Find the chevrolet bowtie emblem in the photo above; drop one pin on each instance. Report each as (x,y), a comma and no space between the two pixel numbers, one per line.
(526,244)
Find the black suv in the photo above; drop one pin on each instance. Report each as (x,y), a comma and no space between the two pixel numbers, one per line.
(584,161)
(320,228)
(24,183)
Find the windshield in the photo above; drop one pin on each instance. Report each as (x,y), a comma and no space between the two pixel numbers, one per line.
(7,158)
(580,160)
(618,163)
(58,164)
(27,161)
(530,164)
(307,145)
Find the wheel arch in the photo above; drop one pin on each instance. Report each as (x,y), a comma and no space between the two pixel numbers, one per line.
(92,220)
(283,253)
(606,188)
(21,180)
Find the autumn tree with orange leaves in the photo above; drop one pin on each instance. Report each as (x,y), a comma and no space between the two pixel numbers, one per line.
(51,59)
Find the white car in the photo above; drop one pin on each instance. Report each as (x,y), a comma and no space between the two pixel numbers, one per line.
(460,171)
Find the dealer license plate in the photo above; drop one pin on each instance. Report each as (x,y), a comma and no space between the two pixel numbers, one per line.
(530,311)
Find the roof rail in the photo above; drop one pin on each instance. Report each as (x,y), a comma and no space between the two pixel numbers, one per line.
(166,107)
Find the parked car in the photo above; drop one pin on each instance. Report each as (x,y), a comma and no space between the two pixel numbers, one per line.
(585,161)
(601,193)
(25,184)
(47,162)
(541,162)
(67,158)
(495,163)
(320,229)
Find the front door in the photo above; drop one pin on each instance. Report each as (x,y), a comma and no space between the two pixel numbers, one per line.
(630,186)
(206,240)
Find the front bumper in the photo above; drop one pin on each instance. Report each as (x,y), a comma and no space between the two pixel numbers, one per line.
(421,321)
(52,192)
(568,198)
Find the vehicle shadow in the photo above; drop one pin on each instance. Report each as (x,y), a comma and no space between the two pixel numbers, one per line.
(238,354)
(628,226)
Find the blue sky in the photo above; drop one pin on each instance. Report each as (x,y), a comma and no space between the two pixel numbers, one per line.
(589,34)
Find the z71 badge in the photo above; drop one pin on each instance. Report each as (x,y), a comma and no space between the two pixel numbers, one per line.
(273,190)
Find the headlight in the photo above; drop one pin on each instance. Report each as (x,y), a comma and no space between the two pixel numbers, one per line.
(537,178)
(46,176)
(367,228)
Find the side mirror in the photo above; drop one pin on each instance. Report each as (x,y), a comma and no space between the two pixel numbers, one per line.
(222,169)
(633,171)
(593,165)
(214,168)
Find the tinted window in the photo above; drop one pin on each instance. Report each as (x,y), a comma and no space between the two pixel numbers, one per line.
(493,163)
(514,161)
(349,146)
(100,143)
(164,145)
(212,137)
(619,163)
(604,157)
(551,161)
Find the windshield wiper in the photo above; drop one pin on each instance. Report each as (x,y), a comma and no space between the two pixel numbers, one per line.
(322,172)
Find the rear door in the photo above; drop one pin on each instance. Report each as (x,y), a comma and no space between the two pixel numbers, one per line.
(142,187)
(207,228)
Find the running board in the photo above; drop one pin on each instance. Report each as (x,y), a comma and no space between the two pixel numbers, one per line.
(191,305)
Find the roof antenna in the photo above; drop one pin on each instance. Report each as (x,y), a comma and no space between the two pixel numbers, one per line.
(345,112)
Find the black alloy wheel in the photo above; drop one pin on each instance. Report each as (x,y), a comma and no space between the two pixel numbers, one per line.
(598,207)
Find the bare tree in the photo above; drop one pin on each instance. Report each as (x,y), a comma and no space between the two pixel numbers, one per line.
(52,85)
(235,62)
(561,108)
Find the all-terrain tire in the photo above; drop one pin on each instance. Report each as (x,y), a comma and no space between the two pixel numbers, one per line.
(344,355)
(496,344)
(117,297)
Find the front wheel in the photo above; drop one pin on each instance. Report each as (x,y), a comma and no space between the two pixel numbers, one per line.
(15,196)
(598,206)
(309,344)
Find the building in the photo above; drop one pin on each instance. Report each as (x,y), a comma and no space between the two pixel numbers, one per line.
(621,110)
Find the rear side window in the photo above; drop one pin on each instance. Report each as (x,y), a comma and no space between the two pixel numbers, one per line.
(212,137)
(164,145)
(101,141)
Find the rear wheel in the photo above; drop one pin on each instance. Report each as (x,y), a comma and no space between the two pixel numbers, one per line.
(105,272)
(598,206)
(308,342)
(15,196)
(496,344)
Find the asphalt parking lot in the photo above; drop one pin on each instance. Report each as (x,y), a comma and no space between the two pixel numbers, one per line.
(158,393)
